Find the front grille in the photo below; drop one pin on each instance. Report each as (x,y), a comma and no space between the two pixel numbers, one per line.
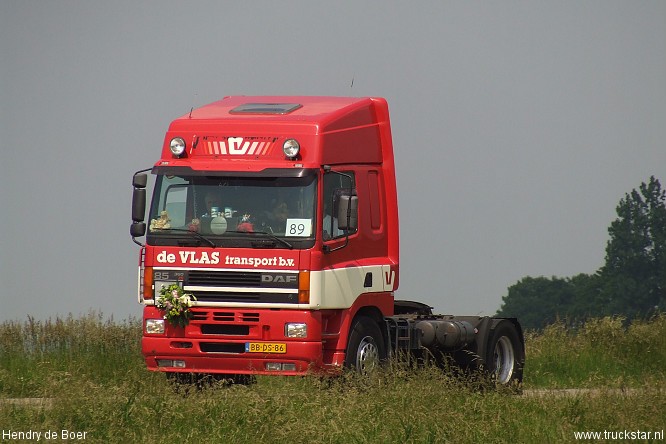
(224,278)
(249,317)
(227,296)
(224,316)
(266,287)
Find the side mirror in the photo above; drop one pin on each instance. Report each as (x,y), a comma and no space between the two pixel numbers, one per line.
(138,204)
(348,212)
(137,229)
(140,180)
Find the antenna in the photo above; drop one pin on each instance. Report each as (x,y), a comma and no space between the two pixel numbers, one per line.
(192,109)
(352,82)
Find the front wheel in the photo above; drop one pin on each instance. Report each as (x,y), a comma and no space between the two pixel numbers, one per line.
(203,380)
(366,348)
(506,354)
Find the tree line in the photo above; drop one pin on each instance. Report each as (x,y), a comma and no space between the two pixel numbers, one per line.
(631,283)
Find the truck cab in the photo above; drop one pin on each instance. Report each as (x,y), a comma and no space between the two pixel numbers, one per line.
(279,214)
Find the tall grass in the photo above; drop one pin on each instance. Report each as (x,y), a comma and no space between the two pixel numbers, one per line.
(601,353)
(38,356)
(94,375)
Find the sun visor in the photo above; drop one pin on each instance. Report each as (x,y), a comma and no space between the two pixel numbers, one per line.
(268,172)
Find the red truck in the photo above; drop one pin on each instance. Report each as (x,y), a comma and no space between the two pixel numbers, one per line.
(279,216)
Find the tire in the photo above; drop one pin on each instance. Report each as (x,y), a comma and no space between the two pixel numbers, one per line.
(203,380)
(365,349)
(505,355)
(243,379)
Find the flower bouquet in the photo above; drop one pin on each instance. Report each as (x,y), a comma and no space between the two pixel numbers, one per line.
(176,304)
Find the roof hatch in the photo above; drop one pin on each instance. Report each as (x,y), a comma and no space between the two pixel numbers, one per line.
(266,108)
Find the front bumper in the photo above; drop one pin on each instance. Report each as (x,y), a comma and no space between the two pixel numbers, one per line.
(215,341)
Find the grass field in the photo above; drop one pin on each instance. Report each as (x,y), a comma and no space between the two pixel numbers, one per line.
(93,378)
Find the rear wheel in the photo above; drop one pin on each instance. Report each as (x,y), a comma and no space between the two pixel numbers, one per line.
(506,355)
(365,348)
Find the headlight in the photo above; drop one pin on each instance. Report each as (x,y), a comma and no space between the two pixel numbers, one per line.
(296,330)
(177,146)
(291,148)
(155,326)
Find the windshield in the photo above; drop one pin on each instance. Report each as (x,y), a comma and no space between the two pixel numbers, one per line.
(230,211)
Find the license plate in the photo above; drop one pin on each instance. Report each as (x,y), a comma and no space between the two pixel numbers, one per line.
(265,347)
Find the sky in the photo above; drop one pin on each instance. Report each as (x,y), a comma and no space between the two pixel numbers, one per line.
(518,126)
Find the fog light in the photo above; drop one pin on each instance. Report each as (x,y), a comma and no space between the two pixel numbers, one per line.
(296,330)
(155,326)
(273,366)
(170,363)
(289,367)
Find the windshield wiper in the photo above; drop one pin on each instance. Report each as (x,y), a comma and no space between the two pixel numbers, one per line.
(274,237)
(195,233)
(271,236)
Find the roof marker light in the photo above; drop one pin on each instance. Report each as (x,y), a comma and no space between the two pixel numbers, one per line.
(177,146)
(291,147)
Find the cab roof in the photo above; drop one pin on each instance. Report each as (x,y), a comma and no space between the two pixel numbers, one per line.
(331,130)
(304,109)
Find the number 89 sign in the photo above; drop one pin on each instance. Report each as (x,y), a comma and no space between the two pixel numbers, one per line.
(299,227)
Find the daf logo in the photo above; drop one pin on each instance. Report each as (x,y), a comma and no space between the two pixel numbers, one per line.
(279,278)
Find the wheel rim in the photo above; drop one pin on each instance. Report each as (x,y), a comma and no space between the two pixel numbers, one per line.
(367,355)
(504,357)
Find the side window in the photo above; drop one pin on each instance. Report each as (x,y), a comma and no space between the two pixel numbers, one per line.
(338,188)
(174,204)
(169,207)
